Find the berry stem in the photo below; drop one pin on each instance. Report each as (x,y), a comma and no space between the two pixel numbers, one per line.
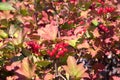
(56,68)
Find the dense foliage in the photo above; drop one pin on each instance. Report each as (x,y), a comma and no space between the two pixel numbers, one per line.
(60,40)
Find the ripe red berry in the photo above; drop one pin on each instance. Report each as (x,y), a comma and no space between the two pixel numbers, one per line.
(110,9)
(59,50)
(34,46)
(104,11)
(100,10)
(60,53)
(57,56)
(103,28)
(51,54)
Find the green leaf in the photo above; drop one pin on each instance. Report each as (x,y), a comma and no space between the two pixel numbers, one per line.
(26,52)
(67,26)
(80,40)
(4,22)
(17,58)
(24,12)
(88,34)
(64,59)
(95,23)
(73,69)
(3,34)
(6,6)
(43,63)
(73,42)
(87,5)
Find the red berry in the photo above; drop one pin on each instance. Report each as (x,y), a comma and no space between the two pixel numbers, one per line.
(56,48)
(104,28)
(54,51)
(34,46)
(65,50)
(104,10)
(57,45)
(57,56)
(51,54)
(100,10)
(81,22)
(65,44)
(61,52)
(110,9)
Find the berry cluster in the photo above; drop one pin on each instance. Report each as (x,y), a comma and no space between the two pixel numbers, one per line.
(105,10)
(34,46)
(59,50)
(103,28)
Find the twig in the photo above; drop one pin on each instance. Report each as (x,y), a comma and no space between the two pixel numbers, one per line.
(56,68)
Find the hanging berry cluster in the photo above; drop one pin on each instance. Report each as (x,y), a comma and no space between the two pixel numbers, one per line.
(34,46)
(59,50)
(105,10)
(103,28)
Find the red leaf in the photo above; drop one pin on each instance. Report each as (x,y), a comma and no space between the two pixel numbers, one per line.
(115,78)
(45,16)
(79,30)
(98,67)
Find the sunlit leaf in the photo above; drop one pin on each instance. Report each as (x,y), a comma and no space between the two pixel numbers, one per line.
(12,31)
(6,6)
(74,70)
(95,23)
(88,34)
(19,37)
(49,32)
(43,63)
(3,34)
(73,42)
(27,68)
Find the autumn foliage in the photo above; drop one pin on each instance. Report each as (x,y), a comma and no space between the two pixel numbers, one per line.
(60,40)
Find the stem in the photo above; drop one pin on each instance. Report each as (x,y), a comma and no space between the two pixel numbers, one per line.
(56,68)
(36,14)
(62,77)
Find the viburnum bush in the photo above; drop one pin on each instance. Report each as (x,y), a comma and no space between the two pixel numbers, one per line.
(60,40)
